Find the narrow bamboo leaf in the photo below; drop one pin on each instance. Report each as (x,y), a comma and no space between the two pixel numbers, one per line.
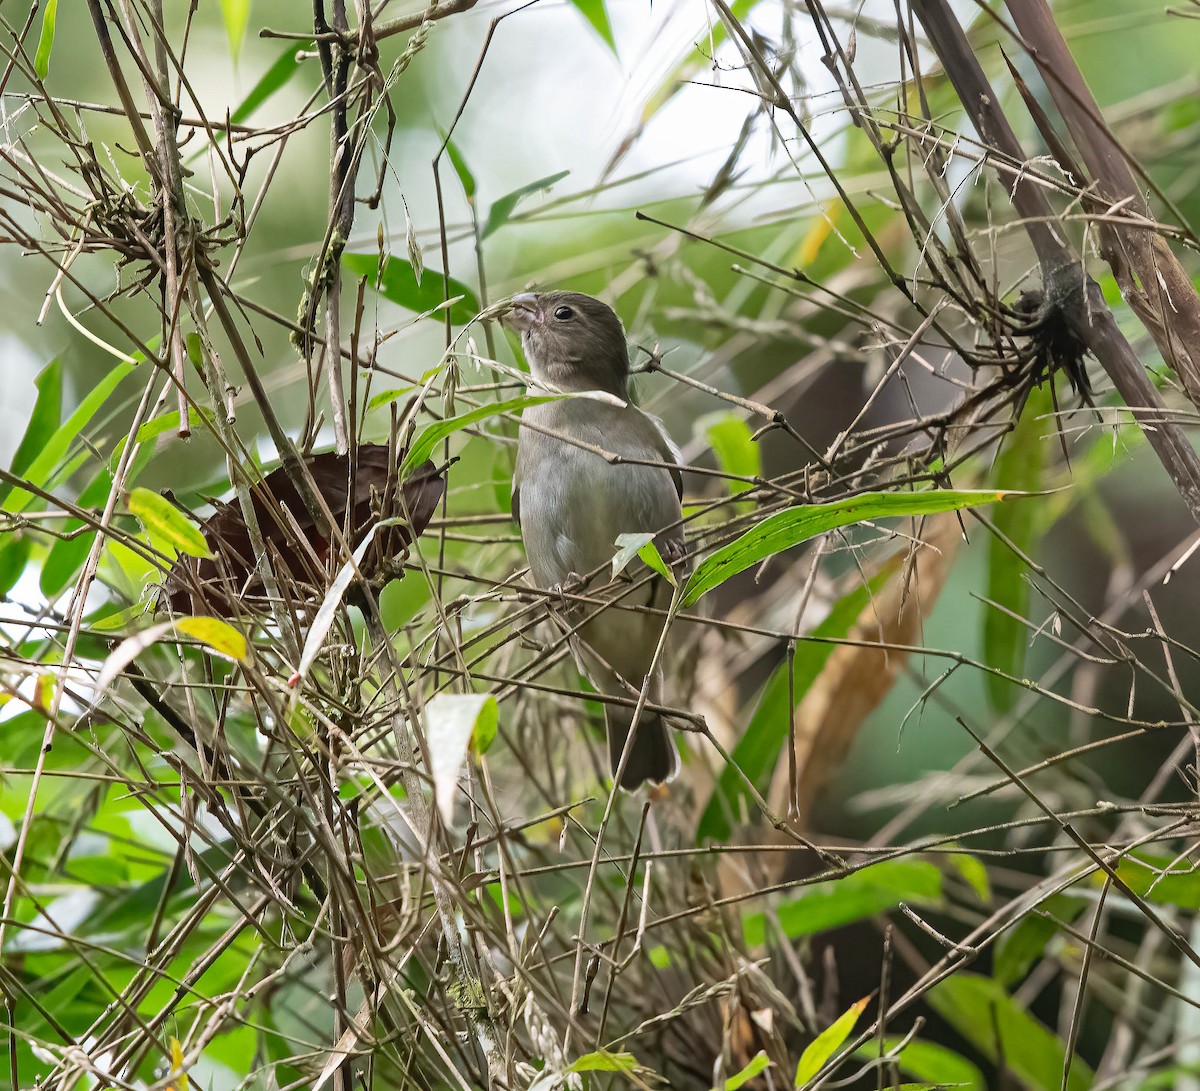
(827,1043)
(219,635)
(697,60)
(41,59)
(64,560)
(43,420)
(730,438)
(430,436)
(487,725)
(452,721)
(641,546)
(627,548)
(169,422)
(177,1077)
(854,897)
(398,283)
(1161,880)
(328,609)
(1023,946)
(236,14)
(465,177)
(602,1061)
(97,491)
(1019,466)
(126,652)
(167,523)
(930,1061)
(14,555)
(503,207)
(975,874)
(981,1011)
(46,462)
(275,78)
(155,427)
(651,558)
(595,13)
(386,397)
(758,1064)
(757,751)
(792,526)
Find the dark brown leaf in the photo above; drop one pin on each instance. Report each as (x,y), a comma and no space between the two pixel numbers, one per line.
(299,545)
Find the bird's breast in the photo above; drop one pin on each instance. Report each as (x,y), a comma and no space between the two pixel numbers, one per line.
(574,501)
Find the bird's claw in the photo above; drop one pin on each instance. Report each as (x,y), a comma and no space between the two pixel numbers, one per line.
(572,581)
(673,552)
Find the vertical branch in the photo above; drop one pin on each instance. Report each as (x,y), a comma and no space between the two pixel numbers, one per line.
(1153,282)
(1075,295)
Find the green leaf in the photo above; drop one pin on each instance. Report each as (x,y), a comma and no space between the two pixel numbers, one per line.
(386,397)
(696,61)
(595,13)
(639,545)
(602,1061)
(1019,466)
(827,1043)
(651,558)
(975,874)
(64,560)
(1161,879)
(399,284)
(929,1061)
(47,461)
(503,207)
(983,1013)
(792,526)
(43,420)
(275,78)
(853,897)
(14,555)
(758,1064)
(155,427)
(236,14)
(465,177)
(167,523)
(757,751)
(41,59)
(1021,946)
(430,436)
(730,438)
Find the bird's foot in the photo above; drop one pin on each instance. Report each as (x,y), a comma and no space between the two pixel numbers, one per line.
(673,551)
(562,591)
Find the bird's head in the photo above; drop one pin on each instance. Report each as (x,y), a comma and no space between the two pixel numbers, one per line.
(572,341)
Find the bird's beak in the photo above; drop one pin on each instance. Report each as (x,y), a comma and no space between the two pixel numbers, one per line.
(525,314)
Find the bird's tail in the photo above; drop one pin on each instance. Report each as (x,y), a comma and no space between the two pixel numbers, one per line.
(652,754)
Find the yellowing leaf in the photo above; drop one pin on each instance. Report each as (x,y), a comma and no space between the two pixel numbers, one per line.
(827,1043)
(167,523)
(810,246)
(603,1061)
(758,1064)
(178,1078)
(219,635)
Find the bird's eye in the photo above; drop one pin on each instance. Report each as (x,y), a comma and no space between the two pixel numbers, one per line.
(563,313)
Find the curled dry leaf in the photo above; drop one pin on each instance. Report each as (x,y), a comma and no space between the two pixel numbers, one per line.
(358,498)
(857,677)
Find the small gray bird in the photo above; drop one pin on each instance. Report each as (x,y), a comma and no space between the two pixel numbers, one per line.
(571,503)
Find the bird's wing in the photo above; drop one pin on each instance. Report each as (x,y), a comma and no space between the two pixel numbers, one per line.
(669,452)
(516,493)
